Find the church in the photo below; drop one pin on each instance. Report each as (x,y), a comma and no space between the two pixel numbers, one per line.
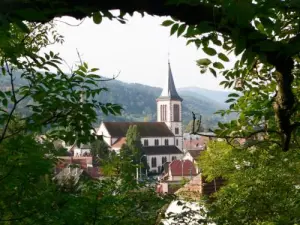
(162,140)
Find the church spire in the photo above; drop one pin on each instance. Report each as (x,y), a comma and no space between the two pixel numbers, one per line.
(169,91)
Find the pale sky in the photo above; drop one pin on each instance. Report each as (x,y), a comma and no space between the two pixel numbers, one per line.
(138,49)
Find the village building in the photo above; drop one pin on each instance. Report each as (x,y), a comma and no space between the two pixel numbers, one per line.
(162,140)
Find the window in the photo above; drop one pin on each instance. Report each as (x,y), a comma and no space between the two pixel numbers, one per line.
(146,142)
(153,162)
(176,112)
(163,160)
(176,142)
(156,142)
(163,112)
(166,142)
(173,158)
(176,130)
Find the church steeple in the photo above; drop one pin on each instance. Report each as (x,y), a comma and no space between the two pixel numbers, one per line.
(169,91)
(169,109)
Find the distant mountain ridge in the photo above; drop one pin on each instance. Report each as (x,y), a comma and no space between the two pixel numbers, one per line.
(218,96)
(139,102)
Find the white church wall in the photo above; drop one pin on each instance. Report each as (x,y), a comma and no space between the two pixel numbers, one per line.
(159,160)
(161,140)
(103,131)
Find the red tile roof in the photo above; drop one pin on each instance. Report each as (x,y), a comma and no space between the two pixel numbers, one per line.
(195,144)
(119,142)
(66,160)
(146,129)
(182,168)
(63,162)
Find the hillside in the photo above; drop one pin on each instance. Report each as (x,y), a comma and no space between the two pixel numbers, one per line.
(139,102)
(217,96)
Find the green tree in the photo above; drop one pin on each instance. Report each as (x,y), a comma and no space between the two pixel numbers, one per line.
(29,195)
(262,184)
(99,149)
(133,148)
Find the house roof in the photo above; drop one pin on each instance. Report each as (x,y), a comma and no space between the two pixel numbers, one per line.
(66,160)
(182,168)
(119,142)
(169,91)
(195,144)
(195,153)
(146,129)
(161,150)
(191,190)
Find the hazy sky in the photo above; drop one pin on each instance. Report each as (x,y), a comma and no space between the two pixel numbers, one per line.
(138,49)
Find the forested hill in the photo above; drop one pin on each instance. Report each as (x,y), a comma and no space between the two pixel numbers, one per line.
(139,102)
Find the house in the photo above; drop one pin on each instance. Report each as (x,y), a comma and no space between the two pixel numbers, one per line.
(162,140)
(198,187)
(192,155)
(178,170)
(194,142)
(73,166)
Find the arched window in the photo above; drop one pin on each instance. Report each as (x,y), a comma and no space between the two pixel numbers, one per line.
(163,160)
(153,162)
(166,142)
(176,130)
(176,112)
(156,142)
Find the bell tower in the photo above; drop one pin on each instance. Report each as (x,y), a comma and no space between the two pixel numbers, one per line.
(169,109)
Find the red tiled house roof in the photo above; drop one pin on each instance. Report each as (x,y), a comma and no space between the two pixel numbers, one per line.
(182,168)
(146,129)
(195,144)
(119,142)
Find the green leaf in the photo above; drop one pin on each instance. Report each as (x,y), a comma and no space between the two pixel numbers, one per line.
(209,51)
(233,95)
(217,42)
(174,28)
(22,26)
(223,57)
(3,70)
(2,95)
(213,71)
(218,65)
(202,71)
(259,26)
(97,17)
(221,125)
(230,100)
(181,29)
(5,102)
(167,23)
(203,62)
